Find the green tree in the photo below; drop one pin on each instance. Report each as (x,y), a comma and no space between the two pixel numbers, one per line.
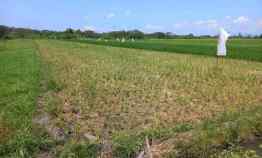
(69,34)
(3,31)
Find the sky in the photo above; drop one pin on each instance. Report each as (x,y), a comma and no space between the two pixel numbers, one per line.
(199,17)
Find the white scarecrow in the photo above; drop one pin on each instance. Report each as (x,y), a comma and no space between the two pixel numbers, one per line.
(221,46)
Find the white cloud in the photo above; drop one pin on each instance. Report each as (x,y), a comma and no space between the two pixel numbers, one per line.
(200,22)
(209,23)
(228,17)
(180,25)
(92,28)
(259,23)
(241,20)
(153,27)
(110,15)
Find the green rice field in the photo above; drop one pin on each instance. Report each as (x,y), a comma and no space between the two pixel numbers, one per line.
(247,49)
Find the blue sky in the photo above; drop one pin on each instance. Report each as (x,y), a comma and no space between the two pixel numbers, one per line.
(178,16)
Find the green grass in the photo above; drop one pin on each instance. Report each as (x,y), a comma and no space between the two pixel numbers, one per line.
(246,49)
(19,82)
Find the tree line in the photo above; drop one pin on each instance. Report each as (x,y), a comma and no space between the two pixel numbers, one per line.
(13,32)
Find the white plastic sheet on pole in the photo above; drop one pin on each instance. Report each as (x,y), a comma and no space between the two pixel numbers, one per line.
(222,39)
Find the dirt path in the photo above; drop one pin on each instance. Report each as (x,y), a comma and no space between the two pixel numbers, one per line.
(43,119)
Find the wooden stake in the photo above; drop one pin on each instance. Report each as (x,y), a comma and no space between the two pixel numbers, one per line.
(148,149)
